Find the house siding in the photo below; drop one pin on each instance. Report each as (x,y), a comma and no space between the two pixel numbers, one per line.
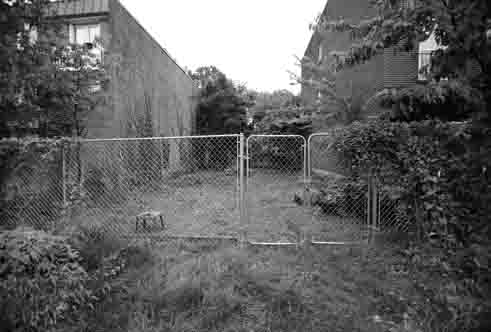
(144,75)
(141,74)
(80,7)
(359,82)
(400,68)
(389,69)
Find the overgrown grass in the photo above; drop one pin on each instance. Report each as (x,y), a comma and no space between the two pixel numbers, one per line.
(192,287)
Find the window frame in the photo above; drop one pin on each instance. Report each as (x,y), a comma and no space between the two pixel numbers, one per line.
(72,32)
(95,47)
(426,48)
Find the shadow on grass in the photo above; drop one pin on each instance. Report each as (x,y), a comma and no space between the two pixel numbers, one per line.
(195,287)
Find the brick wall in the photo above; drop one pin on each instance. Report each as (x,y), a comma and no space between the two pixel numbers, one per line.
(361,81)
(400,68)
(387,70)
(146,78)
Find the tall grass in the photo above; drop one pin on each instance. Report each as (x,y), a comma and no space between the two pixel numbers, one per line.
(194,287)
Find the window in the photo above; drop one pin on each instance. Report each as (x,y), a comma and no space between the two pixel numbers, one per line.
(84,33)
(320,53)
(425,48)
(424,63)
(88,35)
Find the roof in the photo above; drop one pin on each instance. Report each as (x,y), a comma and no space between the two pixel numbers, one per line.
(350,10)
(309,45)
(80,7)
(100,7)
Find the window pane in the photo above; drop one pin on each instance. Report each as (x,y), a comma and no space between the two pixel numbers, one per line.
(94,32)
(424,63)
(87,33)
(82,34)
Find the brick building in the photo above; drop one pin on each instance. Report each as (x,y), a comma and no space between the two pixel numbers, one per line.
(365,82)
(143,77)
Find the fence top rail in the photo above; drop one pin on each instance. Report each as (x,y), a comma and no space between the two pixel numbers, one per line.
(151,138)
(319,135)
(274,136)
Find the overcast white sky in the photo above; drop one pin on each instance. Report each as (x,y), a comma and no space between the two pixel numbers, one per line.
(251,41)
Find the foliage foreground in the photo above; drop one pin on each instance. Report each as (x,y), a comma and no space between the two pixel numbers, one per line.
(203,287)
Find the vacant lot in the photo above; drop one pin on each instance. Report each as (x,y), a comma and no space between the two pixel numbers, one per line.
(189,287)
(207,204)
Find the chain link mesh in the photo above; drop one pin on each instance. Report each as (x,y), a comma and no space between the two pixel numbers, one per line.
(185,186)
(275,173)
(189,187)
(392,218)
(339,201)
(32,192)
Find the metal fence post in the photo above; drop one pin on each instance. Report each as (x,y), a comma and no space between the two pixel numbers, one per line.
(242,159)
(63,185)
(369,210)
(63,174)
(373,210)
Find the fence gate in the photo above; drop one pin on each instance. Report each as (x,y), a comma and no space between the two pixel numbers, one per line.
(275,173)
(346,208)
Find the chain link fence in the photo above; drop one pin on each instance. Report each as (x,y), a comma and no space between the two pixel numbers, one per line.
(275,173)
(339,200)
(31,186)
(291,189)
(391,217)
(167,186)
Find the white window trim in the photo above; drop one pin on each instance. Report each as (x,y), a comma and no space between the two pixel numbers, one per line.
(98,49)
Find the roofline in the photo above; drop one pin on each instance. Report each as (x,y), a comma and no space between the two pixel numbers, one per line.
(154,40)
(324,13)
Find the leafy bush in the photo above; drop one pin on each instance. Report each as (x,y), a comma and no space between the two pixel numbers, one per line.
(30,180)
(93,243)
(342,197)
(41,281)
(438,170)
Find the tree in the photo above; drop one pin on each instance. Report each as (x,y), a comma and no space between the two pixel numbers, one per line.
(43,79)
(222,109)
(330,105)
(222,105)
(266,101)
(460,27)
(280,112)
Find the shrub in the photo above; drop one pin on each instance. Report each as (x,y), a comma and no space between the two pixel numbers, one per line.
(437,170)
(93,242)
(30,181)
(41,281)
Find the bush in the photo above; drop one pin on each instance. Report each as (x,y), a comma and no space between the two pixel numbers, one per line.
(437,170)
(440,173)
(30,181)
(41,281)
(93,242)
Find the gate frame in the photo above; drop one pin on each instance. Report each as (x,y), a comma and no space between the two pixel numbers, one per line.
(372,199)
(239,186)
(243,175)
(304,147)
(299,242)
